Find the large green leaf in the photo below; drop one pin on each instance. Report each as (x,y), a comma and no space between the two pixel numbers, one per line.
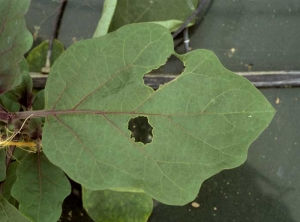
(169,13)
(204,120)
(9,213)
(15,40)
(40,188)
(113,206)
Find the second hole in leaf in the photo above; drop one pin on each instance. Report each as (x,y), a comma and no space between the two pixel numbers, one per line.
(140,129)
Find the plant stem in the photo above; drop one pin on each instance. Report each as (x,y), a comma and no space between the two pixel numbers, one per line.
(108,12)
(195,13)
(54,35)
(43,113)
(186,40)
(4,116)
(9,154)
(8,117)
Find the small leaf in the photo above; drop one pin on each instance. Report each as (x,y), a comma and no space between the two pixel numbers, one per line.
(37,57)
(39,101)
(109,7)
(10,101)
(113,206)
(203,121)
(172,25)
(10,213)
(40,188)
(2,164)
(24,90)
(169,13)
(21,94)
(9,181)
(36,128)
(15,40)
(19,154)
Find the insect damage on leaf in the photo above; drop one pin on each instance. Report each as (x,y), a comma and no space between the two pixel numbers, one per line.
(140,129)
(200,118)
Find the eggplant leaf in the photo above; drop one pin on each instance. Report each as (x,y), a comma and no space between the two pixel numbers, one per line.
(37,57)
(2,164)
(169,13)
(15,40)
(9,181)
(114,206)
(9,213)
(203,121)
(40,188)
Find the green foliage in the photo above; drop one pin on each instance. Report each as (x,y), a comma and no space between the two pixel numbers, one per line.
(10,213)
(113,206)
(14,42)
(20,97)
(170,14)
(39,101)
(204,121)
(40,188)
(199,124)
(37,57)
(9,181)
(2,165)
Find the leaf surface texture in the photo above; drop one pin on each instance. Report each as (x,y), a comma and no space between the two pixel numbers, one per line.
(40,188)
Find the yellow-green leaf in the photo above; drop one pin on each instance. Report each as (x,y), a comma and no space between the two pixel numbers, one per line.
(37,57)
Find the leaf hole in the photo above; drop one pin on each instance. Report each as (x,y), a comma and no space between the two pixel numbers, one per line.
(164,73)
(140,129)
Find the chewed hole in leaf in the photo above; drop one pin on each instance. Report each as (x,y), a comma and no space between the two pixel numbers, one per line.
(140,129)
(170,70)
